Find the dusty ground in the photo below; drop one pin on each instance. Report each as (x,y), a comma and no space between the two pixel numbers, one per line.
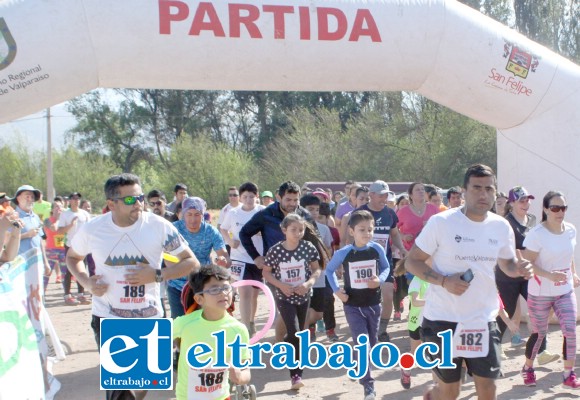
(79,373)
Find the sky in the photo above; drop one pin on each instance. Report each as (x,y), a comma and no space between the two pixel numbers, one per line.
(32,128)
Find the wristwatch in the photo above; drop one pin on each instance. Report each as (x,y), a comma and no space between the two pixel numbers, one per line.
(158,276)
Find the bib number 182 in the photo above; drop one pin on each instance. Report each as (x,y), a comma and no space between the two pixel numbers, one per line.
(471,339)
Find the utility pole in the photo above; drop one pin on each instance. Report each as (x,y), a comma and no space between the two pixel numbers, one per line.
(49,176)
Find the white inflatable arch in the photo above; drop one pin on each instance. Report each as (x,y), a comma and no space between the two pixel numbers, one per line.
(51,51)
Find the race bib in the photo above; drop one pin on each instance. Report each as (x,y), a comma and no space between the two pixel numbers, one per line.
(471,339)
(563,283)
(123,296)
(207,384)
(361,272)
(292,273)
(237,270)
(59,241)
(382,239)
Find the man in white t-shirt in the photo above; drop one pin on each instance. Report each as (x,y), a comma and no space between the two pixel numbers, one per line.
(465,244)
(243,266)
(127,245)
(69,223)
(234,201)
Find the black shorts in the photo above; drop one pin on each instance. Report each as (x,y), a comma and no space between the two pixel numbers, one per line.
(416,334)
(318,299)
(252,273)
(486,367)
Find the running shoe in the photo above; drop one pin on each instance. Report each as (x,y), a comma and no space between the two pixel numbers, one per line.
(529,376)
(296,383)
(312,330)
(320,328)
(69,300)
(397,316)
(384,337)
(332,336)
(405,380)
(84,299)
(571,381)
(370,393)
(517,340)
(546,357)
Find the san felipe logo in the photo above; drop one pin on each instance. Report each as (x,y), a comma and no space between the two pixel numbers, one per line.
(7,45)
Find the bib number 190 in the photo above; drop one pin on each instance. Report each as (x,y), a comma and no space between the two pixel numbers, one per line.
(364,273)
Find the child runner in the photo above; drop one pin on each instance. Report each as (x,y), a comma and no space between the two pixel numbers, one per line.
(243,267)
(365,268)
(292,268)
(417,290)
(211,290)
(319,298)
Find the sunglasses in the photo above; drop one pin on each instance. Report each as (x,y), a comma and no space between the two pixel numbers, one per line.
(214,291)
(556,209)
(155,203)
(130,200)
(233,195)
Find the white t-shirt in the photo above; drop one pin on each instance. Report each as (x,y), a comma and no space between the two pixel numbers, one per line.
(116,250)
(234,221)
(224,211)
(67,217)
(556,253)
(456,244)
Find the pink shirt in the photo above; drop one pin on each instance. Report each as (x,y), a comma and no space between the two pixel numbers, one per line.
(411,223)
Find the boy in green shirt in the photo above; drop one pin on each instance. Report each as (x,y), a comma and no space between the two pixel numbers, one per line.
(210,288)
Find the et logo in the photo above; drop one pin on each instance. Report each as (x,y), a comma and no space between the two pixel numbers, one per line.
(136,353)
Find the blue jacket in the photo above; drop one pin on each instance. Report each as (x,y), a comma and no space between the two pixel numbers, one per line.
(267,222)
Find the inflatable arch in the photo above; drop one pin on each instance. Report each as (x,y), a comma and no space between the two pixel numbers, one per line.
(51,51)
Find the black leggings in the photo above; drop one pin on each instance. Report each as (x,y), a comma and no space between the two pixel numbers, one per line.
(510,290)
(328,314)
(294,317)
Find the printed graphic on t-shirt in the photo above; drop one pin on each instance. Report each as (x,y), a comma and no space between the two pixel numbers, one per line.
(361,272)
(125,300)
(382,239)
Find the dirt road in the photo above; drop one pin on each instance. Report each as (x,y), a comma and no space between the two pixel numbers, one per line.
(79,373)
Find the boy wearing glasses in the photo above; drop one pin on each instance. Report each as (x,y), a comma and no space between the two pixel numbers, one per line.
(211,290)
(156,202)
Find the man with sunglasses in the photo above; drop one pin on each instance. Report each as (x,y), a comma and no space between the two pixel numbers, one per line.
(156,202)
(127,246)
(234,201)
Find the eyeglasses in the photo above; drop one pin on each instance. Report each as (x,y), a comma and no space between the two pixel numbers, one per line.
(233,195)
(155,203)
(556,209)
(130,200)
(214,291)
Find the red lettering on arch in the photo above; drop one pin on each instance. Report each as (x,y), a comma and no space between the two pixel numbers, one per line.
(166,16)
(323,18)
(364,16)
(279,22)
(236,20)
(213,24)
(304,13)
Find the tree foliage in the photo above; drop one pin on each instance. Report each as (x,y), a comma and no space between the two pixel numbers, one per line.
(211,140)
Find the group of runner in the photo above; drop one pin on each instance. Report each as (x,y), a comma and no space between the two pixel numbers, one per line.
(452,258)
